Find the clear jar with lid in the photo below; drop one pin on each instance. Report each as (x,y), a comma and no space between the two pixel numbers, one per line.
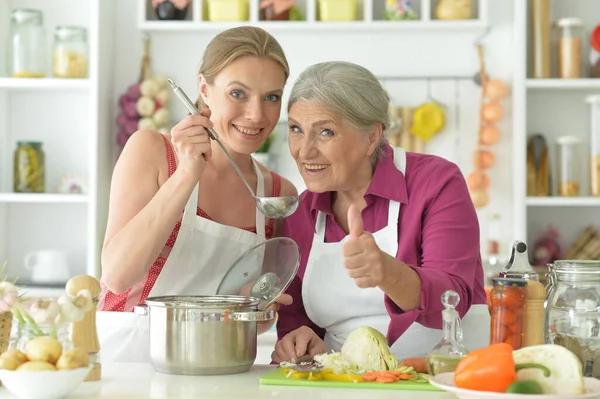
(26,51)
(594,127)
(573,310)
(595,52)
(507,301)
(569,48)
(569,166)
(70,55)
(29,168)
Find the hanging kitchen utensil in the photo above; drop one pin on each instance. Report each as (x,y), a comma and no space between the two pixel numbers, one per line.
(263,272)
(428,118)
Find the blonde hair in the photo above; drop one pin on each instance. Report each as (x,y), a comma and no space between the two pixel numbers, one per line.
(238,42)
(350,91)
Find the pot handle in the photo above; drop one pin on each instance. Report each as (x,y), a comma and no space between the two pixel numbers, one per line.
(261,315)
(141,310)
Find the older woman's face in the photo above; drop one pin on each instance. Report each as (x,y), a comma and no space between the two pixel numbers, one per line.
(330,153)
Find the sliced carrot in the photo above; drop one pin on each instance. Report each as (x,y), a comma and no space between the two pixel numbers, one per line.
(406,377)
(386,380)
(369,378)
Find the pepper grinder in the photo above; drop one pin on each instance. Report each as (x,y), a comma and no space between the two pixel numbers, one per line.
(446,355)
(84,333)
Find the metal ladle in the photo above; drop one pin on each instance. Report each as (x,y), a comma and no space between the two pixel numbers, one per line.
(272,207)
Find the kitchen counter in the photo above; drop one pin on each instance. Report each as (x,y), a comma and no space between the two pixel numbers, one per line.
(139,380)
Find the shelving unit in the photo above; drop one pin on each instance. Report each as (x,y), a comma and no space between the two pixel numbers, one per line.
(71,117)
(553,107)
(370,17)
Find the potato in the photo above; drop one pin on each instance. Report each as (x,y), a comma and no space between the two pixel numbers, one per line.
(73,359)
(43,349)
(9,363)
(36,366)
(16,354)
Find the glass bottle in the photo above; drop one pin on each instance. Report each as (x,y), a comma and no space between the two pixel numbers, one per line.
(569,48)
(594,102)
(29,168)
(70,56)
(518,266)
(507,301)
(26,51)
(446,355)
(569,166)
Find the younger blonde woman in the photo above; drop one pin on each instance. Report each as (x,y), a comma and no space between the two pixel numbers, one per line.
(179,214)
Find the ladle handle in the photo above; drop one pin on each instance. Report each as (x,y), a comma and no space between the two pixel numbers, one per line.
(211,132)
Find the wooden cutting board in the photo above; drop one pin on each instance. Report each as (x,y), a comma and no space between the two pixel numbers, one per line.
(276,377)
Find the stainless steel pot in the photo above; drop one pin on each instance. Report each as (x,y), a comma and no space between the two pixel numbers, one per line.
(203,335)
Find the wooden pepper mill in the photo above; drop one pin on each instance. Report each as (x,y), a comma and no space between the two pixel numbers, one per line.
(84,333)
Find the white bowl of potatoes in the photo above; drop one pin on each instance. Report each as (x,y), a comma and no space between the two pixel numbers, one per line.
(43,370)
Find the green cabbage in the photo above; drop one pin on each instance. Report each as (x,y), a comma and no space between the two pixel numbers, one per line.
(368,349)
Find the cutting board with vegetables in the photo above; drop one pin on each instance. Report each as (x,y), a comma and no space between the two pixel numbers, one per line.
(278,377)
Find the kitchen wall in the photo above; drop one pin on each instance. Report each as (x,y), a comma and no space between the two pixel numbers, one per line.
(400,54)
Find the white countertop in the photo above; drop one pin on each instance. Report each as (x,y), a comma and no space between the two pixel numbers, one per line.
(139,380)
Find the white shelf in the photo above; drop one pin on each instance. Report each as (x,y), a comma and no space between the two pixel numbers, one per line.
(43,198)
(564,84)
(44,83)
(563,201)
(419,26)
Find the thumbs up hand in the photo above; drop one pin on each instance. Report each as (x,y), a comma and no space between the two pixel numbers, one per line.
(363,259)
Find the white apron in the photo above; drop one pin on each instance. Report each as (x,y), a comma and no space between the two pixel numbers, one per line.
(203,252)
(334,302)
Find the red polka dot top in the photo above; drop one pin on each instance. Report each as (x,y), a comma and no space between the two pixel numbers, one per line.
(137,294)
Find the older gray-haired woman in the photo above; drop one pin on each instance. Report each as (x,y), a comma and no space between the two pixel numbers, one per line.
(383,233)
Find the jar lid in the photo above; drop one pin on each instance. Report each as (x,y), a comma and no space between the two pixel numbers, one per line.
(20,15)
(509,282)
(263,272)
(568,22)
(31,143)
(566,140)
(520,275)
(576,266)
(67,32)
(595,38)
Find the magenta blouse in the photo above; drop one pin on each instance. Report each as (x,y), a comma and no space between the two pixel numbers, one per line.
(438,232)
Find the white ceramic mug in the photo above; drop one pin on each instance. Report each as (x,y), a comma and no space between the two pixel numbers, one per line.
(48,266)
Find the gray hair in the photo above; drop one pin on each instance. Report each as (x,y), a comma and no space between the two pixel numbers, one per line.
(350,91)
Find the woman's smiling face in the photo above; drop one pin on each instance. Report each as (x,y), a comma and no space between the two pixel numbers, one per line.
(330,153)
(245,101)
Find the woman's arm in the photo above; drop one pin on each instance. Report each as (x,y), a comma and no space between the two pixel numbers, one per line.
(450,254)
(142,213)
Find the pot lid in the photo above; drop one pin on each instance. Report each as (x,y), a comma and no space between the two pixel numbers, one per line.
(263,272)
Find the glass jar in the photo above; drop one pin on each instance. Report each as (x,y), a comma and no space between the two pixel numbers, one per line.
(70,56)
(569,166)
(29,168)
(595,53)
(25,333)
(507,302)
(26,57)
(594,102)
(573,310)
(569,48)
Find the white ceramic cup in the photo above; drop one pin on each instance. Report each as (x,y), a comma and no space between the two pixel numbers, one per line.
(48,266)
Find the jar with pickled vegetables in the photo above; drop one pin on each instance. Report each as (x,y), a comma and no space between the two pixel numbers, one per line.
(70,57)
(507,303)
(29,168)
(573,310)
